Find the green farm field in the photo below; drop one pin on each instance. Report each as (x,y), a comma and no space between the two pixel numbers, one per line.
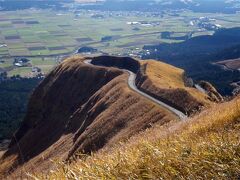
(38,34)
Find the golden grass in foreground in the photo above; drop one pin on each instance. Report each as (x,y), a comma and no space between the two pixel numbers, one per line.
(206,147)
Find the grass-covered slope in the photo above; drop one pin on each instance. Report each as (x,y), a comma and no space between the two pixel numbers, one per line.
(78,108)
(205,147)
(162,81)
(170,84)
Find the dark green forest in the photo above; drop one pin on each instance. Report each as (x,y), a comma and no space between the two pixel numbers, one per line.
(14,95)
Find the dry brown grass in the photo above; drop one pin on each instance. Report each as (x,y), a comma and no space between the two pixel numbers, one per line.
(205,147)
(168,84)
(165,76)
(79,108)
(80,116)
(162,81)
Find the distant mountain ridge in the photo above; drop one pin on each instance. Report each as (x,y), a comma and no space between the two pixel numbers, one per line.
(203,6)
(12,5)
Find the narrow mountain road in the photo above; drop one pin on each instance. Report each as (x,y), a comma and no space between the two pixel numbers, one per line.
(132,85)
(198,87)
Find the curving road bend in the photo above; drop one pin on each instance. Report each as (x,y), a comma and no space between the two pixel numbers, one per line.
(198,87)
(132,85)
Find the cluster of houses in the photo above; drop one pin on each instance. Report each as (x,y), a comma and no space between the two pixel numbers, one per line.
(3,45)
(24,62)
(205,23)
(144,23)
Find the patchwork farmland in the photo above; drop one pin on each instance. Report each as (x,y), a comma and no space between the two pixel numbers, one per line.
(46,36)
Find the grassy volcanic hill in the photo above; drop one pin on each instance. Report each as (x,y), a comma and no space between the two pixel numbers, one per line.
(80,108)
(162,81)
(204,147)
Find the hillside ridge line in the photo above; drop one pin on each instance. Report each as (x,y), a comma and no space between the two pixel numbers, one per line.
(132,85)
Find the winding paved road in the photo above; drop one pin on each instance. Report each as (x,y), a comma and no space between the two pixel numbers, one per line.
(198,87)
(132,85)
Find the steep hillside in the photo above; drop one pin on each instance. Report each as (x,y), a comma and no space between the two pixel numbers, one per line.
(170,84)
(229,53)
(81,108)
(162,81)
(78,108)
(205,147)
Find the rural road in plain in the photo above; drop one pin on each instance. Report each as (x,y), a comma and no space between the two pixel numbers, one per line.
(132,85)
